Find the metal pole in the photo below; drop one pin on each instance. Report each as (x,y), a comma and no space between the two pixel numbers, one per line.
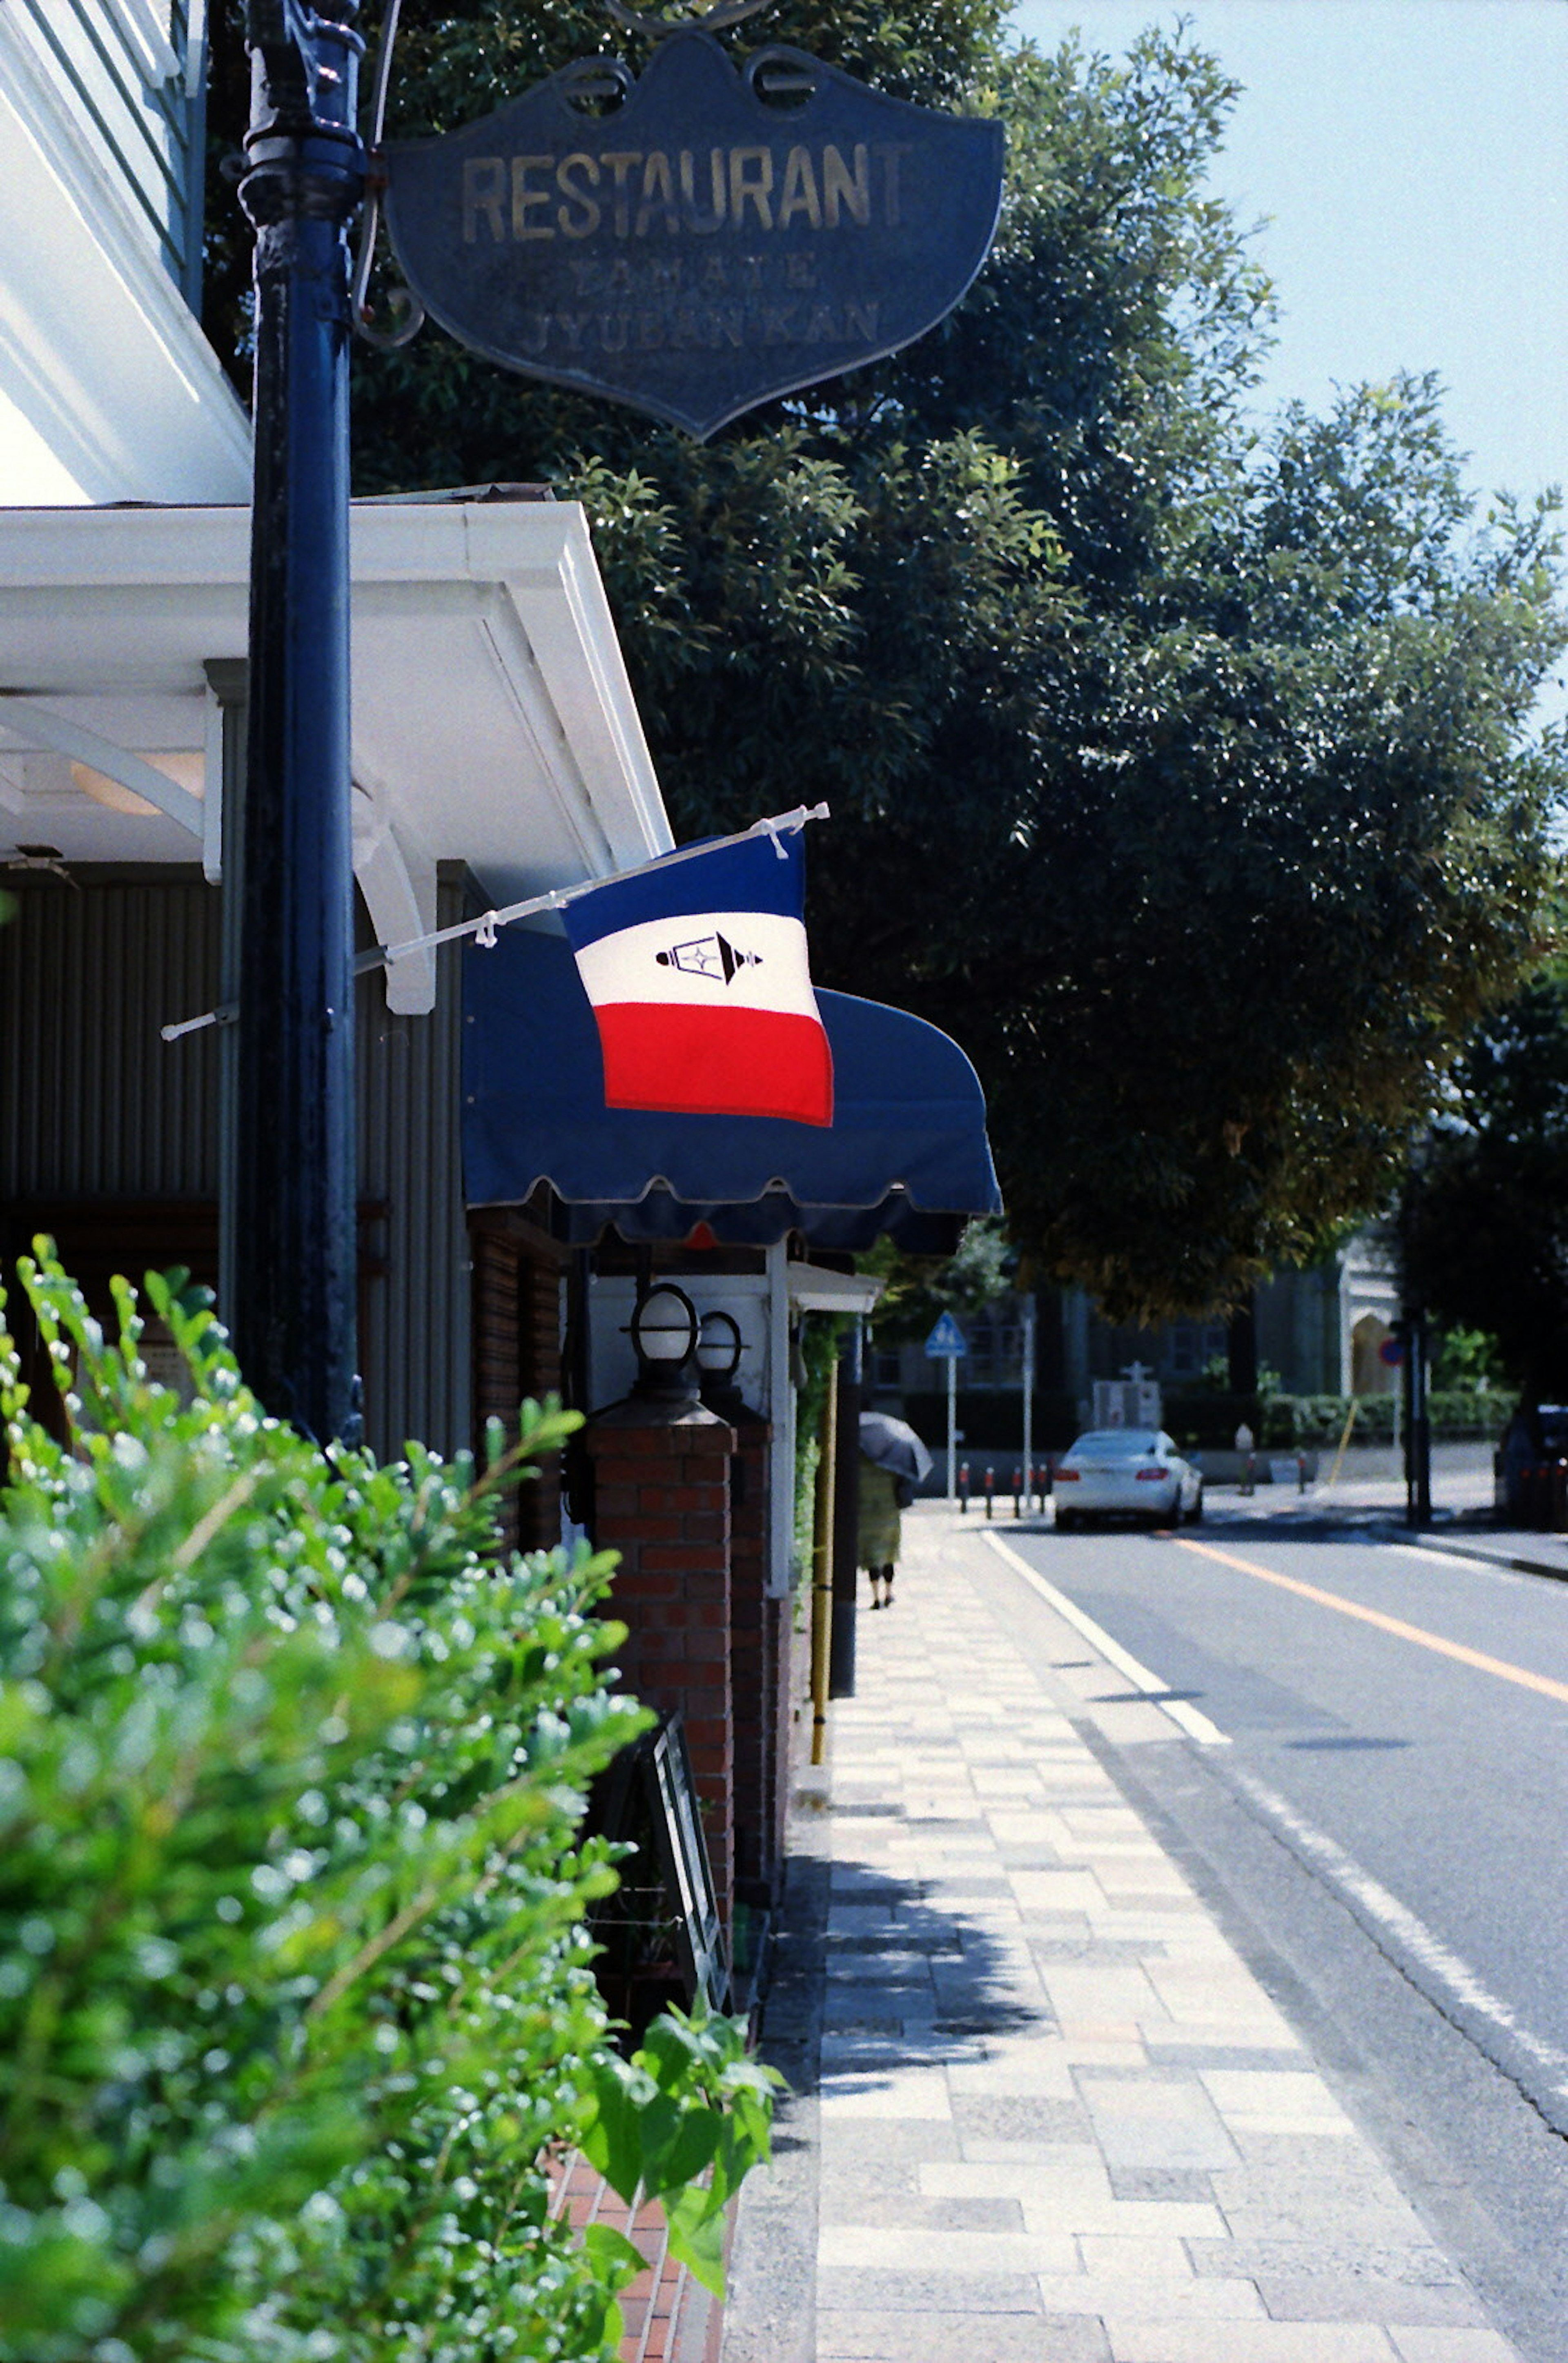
(1421,1422)
(1029,1404)
(846,1519)
(294,1313)
(952,1430)
(822,1568)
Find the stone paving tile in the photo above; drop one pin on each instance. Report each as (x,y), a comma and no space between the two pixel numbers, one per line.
(867,2290)
(1158,2118)
(1176,2341)
(842,2190)
(1146,2297)
(1169,2047)
(846,2140)
(1330,2296)
(886,2248)
(1413,2265)
(1166,2183)
(1048,2075)
(853,2206)
(1021,2117)
(959,2338)
(891,2093)
(1133,2255)
(1424,2344)
(1268,2101)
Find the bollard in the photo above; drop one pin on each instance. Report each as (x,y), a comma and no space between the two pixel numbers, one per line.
(990,1489)
(962,1487)
(1301,1472)
(1248,1475)
(1017,1492)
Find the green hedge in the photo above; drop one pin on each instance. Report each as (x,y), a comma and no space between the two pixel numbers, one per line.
(1284,1422)
(295,1989)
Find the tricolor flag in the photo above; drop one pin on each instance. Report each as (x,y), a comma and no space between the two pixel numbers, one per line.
(697,973)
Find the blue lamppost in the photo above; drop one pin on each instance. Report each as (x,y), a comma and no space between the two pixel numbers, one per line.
(294,1313)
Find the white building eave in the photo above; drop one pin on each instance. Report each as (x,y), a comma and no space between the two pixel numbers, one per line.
(493,720)
(100,356)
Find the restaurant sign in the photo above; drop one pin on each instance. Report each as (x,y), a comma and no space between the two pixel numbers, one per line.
(700,239)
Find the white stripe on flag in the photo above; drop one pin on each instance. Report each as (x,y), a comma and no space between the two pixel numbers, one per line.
(715,959)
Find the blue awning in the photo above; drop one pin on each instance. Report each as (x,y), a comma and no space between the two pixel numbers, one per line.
(905,1153)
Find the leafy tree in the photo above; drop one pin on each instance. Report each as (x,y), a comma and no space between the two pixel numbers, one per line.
(1484,1217)
(1181,771)
(916,1290)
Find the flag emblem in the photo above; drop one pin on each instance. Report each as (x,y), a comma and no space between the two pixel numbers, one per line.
(710,956)
(701,988)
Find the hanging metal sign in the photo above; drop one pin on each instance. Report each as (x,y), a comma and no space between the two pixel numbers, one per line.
(715,239)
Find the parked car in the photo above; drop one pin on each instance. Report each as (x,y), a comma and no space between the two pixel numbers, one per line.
(1529,1488)
(1127,1472)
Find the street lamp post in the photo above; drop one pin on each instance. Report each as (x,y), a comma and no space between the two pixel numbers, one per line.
(294,1313)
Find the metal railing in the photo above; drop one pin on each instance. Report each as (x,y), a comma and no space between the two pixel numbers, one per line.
(134,71)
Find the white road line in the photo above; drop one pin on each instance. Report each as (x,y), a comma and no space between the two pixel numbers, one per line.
(1186,1719)
(1372,1901)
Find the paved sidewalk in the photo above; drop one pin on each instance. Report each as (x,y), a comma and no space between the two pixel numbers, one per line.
(1057,2118)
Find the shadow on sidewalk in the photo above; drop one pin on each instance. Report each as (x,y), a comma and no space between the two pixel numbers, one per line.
(903,1977)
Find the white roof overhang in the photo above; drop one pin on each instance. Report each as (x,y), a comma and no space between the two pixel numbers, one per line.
(493,720)
(108,390)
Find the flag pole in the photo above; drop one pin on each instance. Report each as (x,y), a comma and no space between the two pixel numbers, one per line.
(483,929)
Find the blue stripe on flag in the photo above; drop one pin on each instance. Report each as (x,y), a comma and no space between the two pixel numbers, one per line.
(745,877)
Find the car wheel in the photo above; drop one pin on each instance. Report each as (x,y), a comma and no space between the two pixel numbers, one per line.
(1194,1515)
(1065,1521)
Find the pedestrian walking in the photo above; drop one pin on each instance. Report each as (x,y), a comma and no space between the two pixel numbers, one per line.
(878,1522)
(893,1461)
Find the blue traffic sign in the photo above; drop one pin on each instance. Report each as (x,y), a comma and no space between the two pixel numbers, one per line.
(946,1341)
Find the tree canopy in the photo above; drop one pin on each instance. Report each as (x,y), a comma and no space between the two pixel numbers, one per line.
(1484,1215)
(1179,768)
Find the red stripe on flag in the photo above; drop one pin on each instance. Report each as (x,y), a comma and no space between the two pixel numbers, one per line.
(716,1061)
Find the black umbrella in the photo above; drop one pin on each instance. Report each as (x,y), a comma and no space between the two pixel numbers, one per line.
(893,1444)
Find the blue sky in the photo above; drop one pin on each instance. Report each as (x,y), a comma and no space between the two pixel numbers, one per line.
(1412,156)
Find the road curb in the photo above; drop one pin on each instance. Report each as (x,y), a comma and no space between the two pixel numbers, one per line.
(1451,1548)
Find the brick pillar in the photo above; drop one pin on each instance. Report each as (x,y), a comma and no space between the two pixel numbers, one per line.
(661,1499)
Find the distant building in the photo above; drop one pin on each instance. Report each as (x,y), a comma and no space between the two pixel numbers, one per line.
(1320,1330)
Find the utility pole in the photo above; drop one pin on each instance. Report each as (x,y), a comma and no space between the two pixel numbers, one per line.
(294,1315)
(1417,1420)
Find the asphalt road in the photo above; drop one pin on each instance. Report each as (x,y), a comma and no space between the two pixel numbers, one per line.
(1361,1752)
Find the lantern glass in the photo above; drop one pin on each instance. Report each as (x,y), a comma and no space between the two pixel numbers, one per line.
(718,1345)
(664,1328)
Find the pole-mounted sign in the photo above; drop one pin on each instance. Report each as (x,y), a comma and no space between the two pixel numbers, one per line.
(715,239)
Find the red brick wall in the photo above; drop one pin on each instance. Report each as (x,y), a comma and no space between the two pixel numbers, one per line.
(661,1499)
(517,1352)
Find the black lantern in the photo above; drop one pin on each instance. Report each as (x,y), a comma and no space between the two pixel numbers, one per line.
(664,1331)
(719,1347)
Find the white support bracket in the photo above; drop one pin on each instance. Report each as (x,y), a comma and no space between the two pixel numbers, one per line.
(40,726)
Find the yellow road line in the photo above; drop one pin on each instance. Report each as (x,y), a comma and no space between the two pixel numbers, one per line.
(1395,1624)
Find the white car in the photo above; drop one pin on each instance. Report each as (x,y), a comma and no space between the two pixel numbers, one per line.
(1127,1472)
